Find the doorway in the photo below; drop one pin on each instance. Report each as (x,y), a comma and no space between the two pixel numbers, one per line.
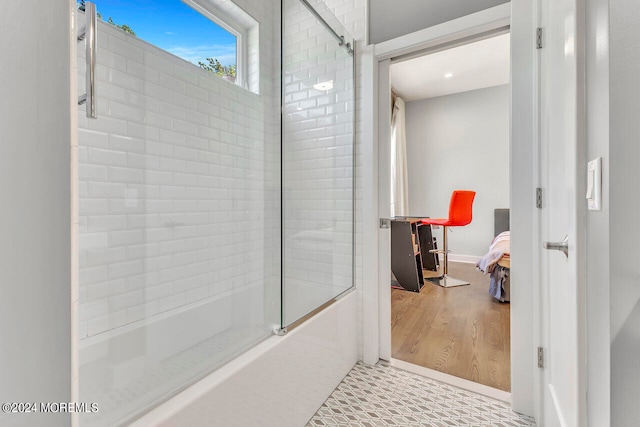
(450,131)
(376,60)
(522,19)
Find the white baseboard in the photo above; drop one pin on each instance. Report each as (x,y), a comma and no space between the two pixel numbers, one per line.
(464,258)
(451,380)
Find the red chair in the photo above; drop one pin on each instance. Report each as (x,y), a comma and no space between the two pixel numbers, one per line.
(460,214)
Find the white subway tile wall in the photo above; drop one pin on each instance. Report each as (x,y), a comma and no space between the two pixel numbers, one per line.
(351,14)
(171,183)
(318,143)
(179,210)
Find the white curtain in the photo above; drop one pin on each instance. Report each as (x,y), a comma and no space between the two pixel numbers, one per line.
(399,177)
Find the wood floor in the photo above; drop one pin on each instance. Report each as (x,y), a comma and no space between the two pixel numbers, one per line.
(461,331)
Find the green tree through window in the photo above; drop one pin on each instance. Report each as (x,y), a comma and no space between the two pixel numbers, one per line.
(124,27)
(214,66)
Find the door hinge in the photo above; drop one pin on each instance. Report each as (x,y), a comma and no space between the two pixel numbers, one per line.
(385,223)
(539,38)
(539,198)
(540,357)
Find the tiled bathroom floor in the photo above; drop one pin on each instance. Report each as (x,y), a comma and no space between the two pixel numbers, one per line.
(372,396)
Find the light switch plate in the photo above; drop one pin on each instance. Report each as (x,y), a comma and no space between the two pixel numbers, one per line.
(594,184)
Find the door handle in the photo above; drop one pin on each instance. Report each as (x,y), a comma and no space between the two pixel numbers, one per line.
(89,34)
(558,246)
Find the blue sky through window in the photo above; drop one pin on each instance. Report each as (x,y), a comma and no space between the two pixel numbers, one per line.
(173,26)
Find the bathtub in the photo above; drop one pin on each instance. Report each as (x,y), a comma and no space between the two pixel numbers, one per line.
(280,382)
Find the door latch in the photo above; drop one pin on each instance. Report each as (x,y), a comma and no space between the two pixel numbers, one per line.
(558,246)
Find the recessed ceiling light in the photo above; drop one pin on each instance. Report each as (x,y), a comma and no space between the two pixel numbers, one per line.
(448,75)
(328,85)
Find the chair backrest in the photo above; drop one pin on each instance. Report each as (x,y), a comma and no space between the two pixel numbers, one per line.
(460,207)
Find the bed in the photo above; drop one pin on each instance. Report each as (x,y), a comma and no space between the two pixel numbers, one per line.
(497,261)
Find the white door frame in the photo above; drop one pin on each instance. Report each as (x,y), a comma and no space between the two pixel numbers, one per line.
(376,293)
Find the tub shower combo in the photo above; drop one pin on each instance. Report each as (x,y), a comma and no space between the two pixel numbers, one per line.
(213,212)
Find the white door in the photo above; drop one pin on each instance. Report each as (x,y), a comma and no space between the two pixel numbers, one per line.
(559,148)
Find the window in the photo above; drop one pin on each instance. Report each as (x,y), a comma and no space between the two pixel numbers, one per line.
(215,35)
(236,21)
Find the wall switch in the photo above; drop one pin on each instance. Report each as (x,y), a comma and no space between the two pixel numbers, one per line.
(594,184)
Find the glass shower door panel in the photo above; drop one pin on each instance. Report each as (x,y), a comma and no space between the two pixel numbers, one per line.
(317,146)
(179,266)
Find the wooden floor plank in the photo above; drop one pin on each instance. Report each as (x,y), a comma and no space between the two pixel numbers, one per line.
(461,331)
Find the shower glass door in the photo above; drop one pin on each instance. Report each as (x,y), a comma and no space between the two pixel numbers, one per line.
(179,197)
(317,158)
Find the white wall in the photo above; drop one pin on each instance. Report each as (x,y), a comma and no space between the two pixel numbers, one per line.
(391,19)
(35,217)
(460,141)
(624,205)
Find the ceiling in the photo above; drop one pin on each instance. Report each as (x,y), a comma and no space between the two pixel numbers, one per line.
(477,65)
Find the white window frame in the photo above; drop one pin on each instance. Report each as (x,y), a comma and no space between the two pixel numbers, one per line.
(236,21)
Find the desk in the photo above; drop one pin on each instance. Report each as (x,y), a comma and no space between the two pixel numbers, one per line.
(411,242)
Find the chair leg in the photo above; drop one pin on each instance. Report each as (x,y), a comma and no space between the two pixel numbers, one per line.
(445,244)
(446,281)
